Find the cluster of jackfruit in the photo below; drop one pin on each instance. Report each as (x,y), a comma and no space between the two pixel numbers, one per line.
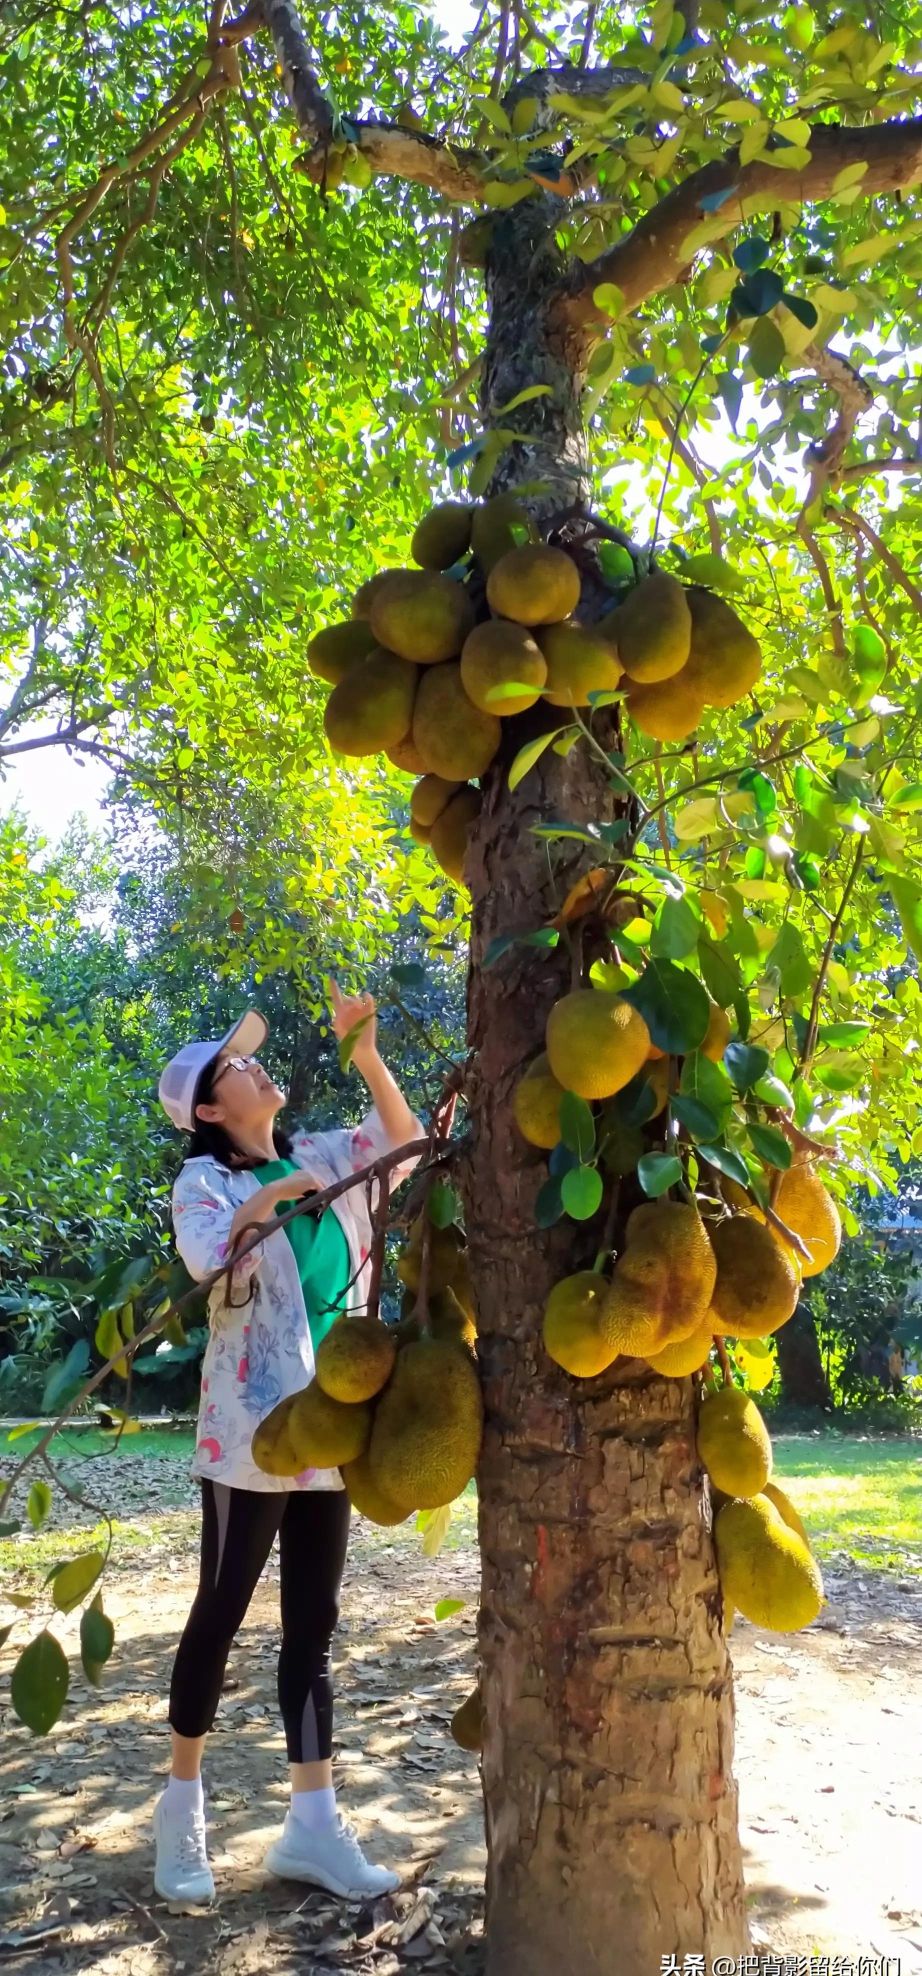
(435,658)
(767,1569)
(396,1408)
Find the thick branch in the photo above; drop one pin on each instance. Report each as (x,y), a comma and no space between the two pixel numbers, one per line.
(855,396)
(655,253)
(393,152)
(848,518)
(315,117)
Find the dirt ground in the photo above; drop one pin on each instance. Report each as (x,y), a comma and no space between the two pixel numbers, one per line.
(828,1762)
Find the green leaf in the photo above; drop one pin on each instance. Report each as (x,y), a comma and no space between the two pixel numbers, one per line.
(767,348)
(697,1119)
(73,1580)
(436,1531)
(107,1337)
(64,1380)
(771,1146)
(674,1006)
(581,1192)
(348,1042)
(616,564)
(746,1063)
(657,1172)
(446,1608)
(713,572)
(726,1161)
(707,1082)
(907,898)
(720,970)
(577,1125)
(907,798)
(540,936)
(789,956)
(675,929)
(772,1091)
(97,1638)
(529,755)
(549,1203)
(842,1032)
(442,1205)
(38,1504)
(39,1684)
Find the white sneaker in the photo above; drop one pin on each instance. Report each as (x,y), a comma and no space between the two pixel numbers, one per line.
(182,1872)
(331,1857)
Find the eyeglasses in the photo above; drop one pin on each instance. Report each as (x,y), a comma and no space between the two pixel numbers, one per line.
(232,1063)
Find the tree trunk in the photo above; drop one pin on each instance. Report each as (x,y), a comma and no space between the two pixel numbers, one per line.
(803,1379)
(607,1770)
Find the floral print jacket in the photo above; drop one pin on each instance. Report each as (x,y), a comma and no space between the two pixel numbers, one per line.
(259,1348)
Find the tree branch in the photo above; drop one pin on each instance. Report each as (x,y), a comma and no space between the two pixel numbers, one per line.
(866,469)
(855,396)
(849,518)
(655,252)
(313,112)
(414,156)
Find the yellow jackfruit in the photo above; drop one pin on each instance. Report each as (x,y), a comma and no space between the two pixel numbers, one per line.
(786,1510)
(669,712)
(430,797)
(653,627)
(356,1358)
(534,585)
(500,654)
(757,1284)
(733,1443)
(677,1361)
(455,739)
(580,661)
(372,707)
(725,660)
(657,1074)
(573,1336)
(368,591)
(443,536)
(426,1436)
(310,1431)
(335,650)
(621,1144)
(662,1285)
(467,1724)
(368,1497)
(805,1207)
(405,756)
(501,524)
(448,836)
(596,1042)
(766,1570)
(420,832)
(536,1104)
(422,616)
(717,1034)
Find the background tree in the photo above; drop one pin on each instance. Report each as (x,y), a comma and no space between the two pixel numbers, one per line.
(224,385)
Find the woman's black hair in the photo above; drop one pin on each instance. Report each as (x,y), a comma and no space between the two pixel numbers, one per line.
(210,1140)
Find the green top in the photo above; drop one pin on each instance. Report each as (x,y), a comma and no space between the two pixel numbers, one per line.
(320,1251)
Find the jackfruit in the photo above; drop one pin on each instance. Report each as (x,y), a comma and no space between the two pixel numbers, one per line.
(446,1320)
(467,1723)
(653,628)
(765,1568)
(406,757)
(677,1361)
(356,1358)
(500,654)
(725,660)
(596,1042)
(669,712)
(448,1262)
(662,1285)
(717,1034)
(757,1284)
(805,1207)
(310,1431)
(455,739)
(536,1104)
(368,591)
(371,709)
(501,524)
(448,837)
(733,1443)
(572,1330)
(534,585)
(367,1496)
(579,662)
(657,1075)
(786,1510)
(443,536)
(335,650)
(422,616)
(430,798)
(420,832)
(425,1441)
(621,1144)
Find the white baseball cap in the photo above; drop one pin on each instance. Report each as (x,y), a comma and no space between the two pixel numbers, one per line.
(180,1080)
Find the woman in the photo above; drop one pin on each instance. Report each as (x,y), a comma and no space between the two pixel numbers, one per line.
(284,1294)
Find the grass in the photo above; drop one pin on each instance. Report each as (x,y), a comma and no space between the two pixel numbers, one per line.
(859,1497)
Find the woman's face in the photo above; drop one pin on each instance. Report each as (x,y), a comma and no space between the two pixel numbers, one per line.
(242,1095)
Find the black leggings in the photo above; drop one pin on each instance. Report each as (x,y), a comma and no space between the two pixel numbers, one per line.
(238,1530)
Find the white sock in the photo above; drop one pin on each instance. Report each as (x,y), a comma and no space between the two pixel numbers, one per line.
(312,1809)
(184,1794)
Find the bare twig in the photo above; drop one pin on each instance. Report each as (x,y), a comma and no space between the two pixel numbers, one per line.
(849,518)
(809,1046)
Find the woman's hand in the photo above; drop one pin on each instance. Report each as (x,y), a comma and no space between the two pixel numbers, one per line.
(348,1011)
(261,1206)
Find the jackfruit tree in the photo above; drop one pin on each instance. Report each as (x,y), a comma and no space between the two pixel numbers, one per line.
(551,440)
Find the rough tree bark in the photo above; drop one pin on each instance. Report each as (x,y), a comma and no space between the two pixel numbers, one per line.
(607,1770)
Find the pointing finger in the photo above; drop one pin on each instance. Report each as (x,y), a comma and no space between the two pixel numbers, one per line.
(335,993)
